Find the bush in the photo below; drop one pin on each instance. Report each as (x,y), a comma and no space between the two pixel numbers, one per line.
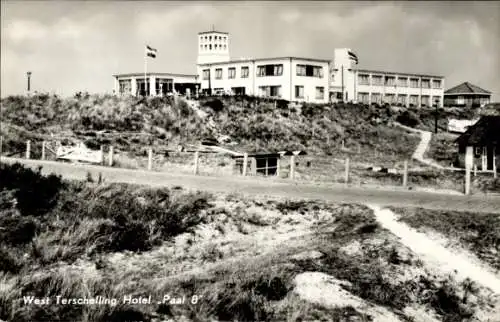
(35,194)
(17,230)
(120,236)
(8,262)
(408,118)
(215,105)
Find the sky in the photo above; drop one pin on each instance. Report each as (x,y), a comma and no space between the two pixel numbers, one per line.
(72,46)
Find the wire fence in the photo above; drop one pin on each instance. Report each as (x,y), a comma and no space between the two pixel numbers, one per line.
(347,166)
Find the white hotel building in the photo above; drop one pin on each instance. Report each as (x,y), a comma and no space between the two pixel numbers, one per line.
(291,78)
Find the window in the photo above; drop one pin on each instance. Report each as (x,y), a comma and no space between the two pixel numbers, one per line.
(125,86)
(201,47)
(389,81)
(363,79)
(377,80)
(231,72)
(206,74)
(402,81)
(218,73)
(210,38)
(215,46)
(389,98)
(414,99)
(206,47)
(402,99)
(164,85)
(299,91)
(309,70)
(270,91)
(414,82)
(244,72)
(363,98)
(224,46)
(320,93)
(436,83)
(270,70)
(376,98)
(425,83)
(425,100)
(436,100)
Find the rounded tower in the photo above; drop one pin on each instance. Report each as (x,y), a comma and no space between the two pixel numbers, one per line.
(213,47)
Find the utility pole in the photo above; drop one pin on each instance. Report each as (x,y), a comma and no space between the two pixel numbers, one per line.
(436,117)
(210,80)
(343,95)
(29,81)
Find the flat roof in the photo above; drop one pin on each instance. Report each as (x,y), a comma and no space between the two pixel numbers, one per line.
(215,31)
(154,74)
(263,59)
(397,73)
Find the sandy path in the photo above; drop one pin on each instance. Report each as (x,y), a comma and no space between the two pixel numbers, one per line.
(436,255)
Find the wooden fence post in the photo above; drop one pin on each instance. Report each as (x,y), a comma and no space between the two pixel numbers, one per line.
(346,178)
(494,162)
(245,163)
(278,167)
(150,159)
(468,165)
(405,174)
(43,150)
(111,151)
(101,152)
(28,149)
(196,161)
(292,167)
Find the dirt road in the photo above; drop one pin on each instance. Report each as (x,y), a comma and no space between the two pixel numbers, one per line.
(272,187)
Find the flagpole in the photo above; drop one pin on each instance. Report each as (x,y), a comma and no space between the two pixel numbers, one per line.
(145,73)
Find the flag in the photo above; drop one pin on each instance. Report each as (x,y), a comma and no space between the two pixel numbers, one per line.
(353,57)
(150,52)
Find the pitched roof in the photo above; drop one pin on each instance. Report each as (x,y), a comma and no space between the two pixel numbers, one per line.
(466,88)
(485,131)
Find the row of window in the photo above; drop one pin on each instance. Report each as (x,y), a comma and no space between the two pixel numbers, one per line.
(216,38)
(364,79)
(275,91)
(267,70)
(401,98)
(162,85)
(209,47)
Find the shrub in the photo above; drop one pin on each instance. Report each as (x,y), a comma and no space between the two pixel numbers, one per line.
(215,105)
(408,118)
(9,262)
(35,193)
(17,230)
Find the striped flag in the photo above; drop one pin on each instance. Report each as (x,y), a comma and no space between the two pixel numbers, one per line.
(353,57)
(150,52)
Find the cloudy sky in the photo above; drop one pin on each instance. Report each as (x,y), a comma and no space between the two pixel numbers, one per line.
(74,46)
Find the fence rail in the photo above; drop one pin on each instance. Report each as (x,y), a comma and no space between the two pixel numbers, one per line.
(328,169)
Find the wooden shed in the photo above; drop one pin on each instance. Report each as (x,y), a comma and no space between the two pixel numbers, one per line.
(266,164)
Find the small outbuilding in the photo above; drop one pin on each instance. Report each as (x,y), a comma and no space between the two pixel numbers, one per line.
(266,164)
(484,137)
